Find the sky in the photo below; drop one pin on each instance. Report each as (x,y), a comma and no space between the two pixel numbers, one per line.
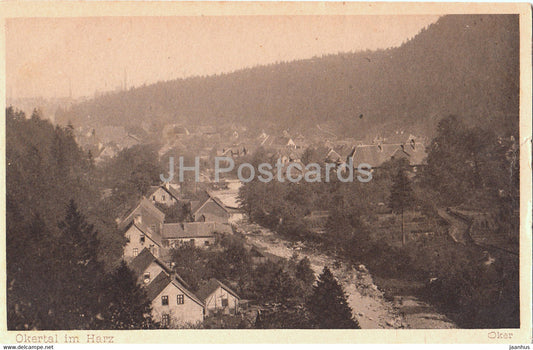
(59,57)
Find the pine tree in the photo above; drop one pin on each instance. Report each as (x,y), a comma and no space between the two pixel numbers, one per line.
(328,306)
(79,271)
(401,196)
(304,271)
(127,306)
(282,287)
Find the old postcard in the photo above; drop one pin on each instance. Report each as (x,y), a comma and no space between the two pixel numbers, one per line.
(345,172)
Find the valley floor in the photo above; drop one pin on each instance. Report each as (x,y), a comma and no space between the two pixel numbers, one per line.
(371,308)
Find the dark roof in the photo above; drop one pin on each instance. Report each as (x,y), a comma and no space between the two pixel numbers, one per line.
(157,285)
(193,229)
(212,198)
(283,140)
(161,282)
(377,154)
(141,262)
(147,232)
(256,253)
(211,286)
(145,207)
(195,205)
(173,230)
(171,191)
(152,190)
(295,171)
(154,237)
(290,153)
(218,201)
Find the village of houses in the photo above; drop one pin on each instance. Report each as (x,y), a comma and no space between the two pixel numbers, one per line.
(150,238)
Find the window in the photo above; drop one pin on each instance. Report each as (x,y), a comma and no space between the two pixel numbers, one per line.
(163,197)
(206,243)
(164,300)
(152,227)
(153,198)
(146,278)
(141,239)
(135,251)
(225,302)
(165,320)
(181,299)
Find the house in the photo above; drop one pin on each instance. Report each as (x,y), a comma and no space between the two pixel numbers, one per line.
(211,210)
(218,297)
(300,142)
(233,151)
(142,229)
(285,141)
(88,141)
(149,215)
(264,140)
(286,155)
(293,170)
(200,234)
(128,141)
(146,267)
(164,194)
(107,152)
(172,304)
(333,157)
(174,131)
(258,257)
(377,154)
(207,130)
(139,237)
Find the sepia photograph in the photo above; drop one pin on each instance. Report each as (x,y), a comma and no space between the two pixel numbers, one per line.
(330,170)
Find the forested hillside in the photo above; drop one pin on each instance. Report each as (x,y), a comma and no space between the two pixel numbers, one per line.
(62,244)
(463,64)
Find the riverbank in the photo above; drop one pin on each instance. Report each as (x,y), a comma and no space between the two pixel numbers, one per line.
(372,307)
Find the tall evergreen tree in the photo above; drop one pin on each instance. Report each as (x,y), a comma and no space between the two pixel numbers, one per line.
(81,272)
(328,306)
(401,196)
(127,306)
